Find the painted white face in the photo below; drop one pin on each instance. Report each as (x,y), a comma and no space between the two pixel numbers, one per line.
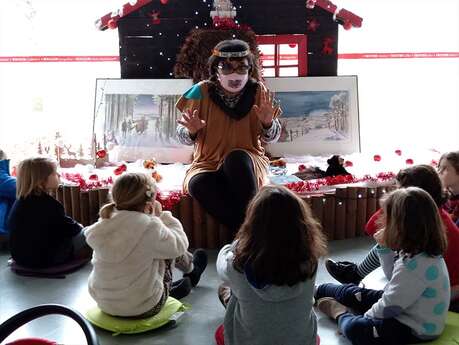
(233,75)
(233,82)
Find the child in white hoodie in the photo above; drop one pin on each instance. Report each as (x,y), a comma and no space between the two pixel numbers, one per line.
(135,244)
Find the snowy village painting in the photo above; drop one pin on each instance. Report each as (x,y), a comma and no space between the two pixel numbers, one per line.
(320,115)
(136,119)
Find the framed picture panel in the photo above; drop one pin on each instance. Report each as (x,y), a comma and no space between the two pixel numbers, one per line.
(320,115)
(137,118)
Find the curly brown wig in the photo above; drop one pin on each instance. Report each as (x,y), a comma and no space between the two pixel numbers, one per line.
(192,60)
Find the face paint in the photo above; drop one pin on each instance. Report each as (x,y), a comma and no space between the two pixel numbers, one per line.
(233,82)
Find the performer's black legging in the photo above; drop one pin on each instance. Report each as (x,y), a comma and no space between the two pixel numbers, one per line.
(225,193)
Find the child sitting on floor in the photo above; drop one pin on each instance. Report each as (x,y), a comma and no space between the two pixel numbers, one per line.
(270,271)
(7,191)
(41,235)
(135,244)
(448,169)
(425,177)
(414,304)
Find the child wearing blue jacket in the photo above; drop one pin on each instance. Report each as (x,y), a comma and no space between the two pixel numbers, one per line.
(7,192)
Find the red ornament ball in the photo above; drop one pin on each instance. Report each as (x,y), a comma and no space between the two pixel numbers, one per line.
(164,2)
(101,154)
(301,167)
(398,152)
(377,158)
(112,24)
(348,164)
(409,161)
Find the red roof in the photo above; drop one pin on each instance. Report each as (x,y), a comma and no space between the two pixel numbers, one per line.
(110,20)
(347,18)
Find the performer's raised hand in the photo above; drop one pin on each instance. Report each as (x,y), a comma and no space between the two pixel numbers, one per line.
(191,121)
(267,109)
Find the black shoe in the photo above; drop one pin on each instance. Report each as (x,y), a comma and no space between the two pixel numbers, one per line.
(343,271)
(180,288)
(200,264)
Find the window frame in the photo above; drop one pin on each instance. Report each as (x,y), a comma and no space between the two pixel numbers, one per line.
(276,40)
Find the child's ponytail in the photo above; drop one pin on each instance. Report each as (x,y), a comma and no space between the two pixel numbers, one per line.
(107,210)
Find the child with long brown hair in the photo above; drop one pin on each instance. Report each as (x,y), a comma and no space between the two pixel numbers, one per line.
(270,269)
(135,245)
(425,177)
(41,234)
(413,306)
(448,169)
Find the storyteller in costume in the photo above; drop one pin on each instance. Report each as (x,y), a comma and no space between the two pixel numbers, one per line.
(227,118)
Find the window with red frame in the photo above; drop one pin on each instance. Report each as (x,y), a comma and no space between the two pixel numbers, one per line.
(283,55)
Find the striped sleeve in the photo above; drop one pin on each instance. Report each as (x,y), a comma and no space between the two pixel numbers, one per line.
(271,134)
(184,136)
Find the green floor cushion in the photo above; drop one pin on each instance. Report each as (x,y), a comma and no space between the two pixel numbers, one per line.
(450,335)
(118,325)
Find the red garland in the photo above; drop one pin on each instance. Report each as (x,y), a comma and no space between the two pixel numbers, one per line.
(170,199)
(93,182)
(314,185)
(223,23)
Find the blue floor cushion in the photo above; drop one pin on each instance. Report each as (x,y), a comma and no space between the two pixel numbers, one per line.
(119,325)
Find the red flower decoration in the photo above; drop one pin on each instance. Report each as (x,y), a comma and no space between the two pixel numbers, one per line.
(121,169)
(101,154)
(301,167)
(398,152)
(348,164)
(94,177)
(112,24)
(377,158)
(409,161)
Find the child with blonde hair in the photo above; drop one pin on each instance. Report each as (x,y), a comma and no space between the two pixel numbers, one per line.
(270,271)
(413,306)
(135,244)
(41,234)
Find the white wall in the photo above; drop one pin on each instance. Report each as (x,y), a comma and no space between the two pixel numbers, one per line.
(38,99)
(410,103)
(403,102)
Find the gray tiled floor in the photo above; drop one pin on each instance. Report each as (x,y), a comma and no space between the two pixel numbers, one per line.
(195,327)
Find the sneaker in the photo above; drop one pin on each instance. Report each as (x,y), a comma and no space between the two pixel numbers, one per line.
(224,294)
(343,271)
(180,288)
(331,307)
(200,264)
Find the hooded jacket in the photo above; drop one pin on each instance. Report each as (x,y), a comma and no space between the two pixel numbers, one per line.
(272,315)
(7,193)
(129,255)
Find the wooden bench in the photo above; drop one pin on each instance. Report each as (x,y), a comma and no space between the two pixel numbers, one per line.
(342,212)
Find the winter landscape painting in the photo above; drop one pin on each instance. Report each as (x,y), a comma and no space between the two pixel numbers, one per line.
(320,115)
(136,119)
